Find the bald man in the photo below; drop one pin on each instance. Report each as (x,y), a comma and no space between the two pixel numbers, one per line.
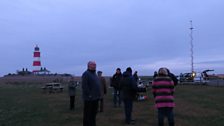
(91,94)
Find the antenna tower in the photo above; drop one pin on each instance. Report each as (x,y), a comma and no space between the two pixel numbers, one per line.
(192,47)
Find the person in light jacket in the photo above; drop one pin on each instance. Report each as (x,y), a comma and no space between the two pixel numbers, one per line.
(103,90)
(72,91)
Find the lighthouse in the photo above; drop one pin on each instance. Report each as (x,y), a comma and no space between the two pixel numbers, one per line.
(36,61)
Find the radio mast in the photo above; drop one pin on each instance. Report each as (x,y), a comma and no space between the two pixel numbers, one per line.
(192,47)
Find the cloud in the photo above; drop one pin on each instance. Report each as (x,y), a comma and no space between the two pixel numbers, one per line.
(144,34)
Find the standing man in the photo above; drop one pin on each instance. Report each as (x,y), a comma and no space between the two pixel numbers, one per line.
(173,77)
(135,75)
(71,90)
(103,89)
(155,74)
(163,90)
(128,94)
(115,83)
(91,94)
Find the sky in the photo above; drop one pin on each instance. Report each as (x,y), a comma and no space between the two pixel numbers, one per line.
(142,34)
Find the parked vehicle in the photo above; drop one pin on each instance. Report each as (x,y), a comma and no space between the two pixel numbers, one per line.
(186,77)
(52,87)
(198,77)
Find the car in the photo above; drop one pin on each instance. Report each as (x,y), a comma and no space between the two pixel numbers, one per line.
(186,77)
(197,77)
(52,87)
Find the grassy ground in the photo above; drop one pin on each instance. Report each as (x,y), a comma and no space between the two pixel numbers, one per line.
(28,106)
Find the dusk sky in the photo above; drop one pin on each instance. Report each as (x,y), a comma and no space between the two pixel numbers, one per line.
(142,34)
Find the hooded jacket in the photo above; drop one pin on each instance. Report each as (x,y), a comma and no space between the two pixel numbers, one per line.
(128,86)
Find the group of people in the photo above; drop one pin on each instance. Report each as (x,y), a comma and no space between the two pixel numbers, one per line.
(125,90)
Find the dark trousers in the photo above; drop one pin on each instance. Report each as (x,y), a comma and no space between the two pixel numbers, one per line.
(117,98)
(101,104)
(165,112)
(128,106)
(90,111)
(72,102)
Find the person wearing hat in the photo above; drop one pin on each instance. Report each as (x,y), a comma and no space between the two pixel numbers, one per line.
(128,94)
(90,94)
(103,90)
(163,90)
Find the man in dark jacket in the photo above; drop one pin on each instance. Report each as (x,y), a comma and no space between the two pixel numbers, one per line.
(115,83)
(173,77)
(128,93)
(135,75)
(91,94)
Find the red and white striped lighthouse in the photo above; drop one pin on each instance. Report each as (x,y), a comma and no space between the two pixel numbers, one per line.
(36,61)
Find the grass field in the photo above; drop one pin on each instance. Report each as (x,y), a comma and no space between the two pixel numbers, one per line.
(26,105)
